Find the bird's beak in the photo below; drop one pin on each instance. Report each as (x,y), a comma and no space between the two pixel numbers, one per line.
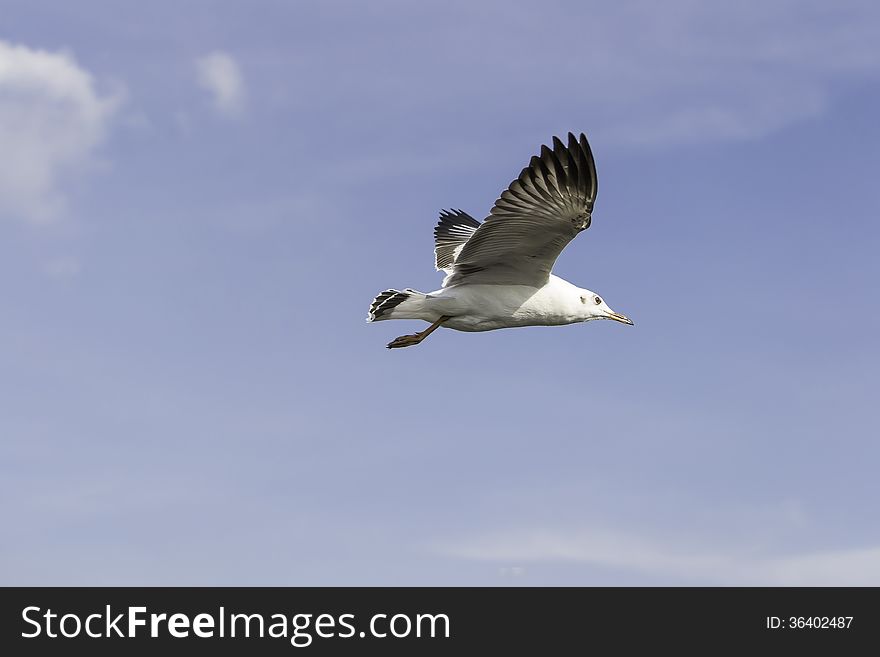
(617,317)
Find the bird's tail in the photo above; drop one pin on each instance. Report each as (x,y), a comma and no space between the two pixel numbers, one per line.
(394,304)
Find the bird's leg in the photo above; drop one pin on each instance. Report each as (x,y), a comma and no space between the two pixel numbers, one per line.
(410,340)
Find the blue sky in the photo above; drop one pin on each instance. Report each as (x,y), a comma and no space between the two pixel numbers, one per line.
(199,201)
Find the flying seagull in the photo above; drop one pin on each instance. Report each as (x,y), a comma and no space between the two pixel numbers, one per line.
(498,272)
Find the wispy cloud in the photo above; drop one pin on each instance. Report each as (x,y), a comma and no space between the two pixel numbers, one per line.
(64,268)
(52,119)
(637,72)
(220,75)
(708,71)
(681,563)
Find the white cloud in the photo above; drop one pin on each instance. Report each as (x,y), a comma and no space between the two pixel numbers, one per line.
(219,74)
(728,565)
(52,119)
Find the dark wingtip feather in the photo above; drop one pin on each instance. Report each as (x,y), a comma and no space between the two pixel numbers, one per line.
(594,180)
(453,230)
(558,146)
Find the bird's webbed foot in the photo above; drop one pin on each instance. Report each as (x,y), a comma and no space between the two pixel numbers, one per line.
(405,341)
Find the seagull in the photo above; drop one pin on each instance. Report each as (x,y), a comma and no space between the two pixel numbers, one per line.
(498,272)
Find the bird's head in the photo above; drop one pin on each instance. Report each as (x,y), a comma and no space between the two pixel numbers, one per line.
(594,307)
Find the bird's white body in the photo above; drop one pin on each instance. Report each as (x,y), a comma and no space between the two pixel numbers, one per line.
(485,307)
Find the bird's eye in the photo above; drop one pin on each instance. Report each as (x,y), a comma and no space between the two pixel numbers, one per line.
(597,300)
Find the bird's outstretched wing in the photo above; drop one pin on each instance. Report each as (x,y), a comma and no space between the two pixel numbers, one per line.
(454,229)
(535,218)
